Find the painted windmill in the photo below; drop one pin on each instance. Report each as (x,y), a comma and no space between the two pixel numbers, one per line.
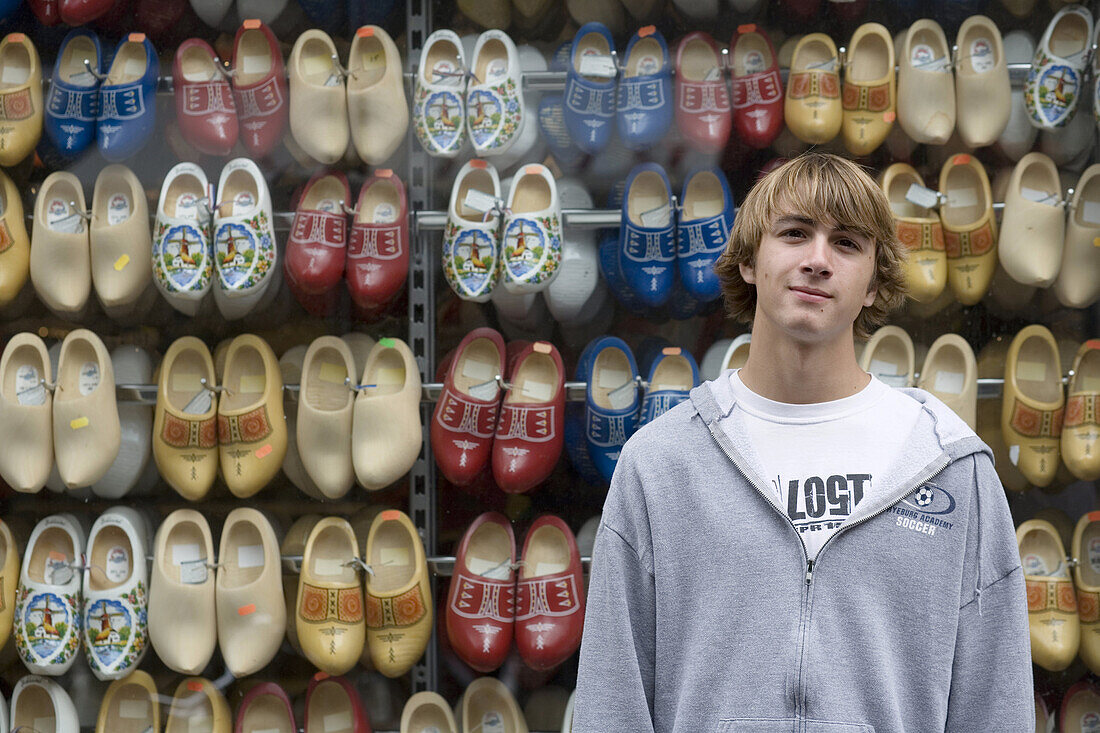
(445,105)
(230,248)
(105,628)
(184,248)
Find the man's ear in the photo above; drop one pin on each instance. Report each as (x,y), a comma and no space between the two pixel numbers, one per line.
(872,293)
(748,274)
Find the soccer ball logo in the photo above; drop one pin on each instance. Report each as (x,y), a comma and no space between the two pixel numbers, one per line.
(924,496)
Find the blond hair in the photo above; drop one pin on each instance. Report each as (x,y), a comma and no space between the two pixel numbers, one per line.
(827,189)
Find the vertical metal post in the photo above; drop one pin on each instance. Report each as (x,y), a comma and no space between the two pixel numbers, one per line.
(422,494)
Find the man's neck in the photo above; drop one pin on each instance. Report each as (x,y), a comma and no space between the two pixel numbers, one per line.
(785,370)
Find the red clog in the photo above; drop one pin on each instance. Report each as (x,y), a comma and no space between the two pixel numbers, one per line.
(549,595)
(259,84)
(702,97)
(802,10)
(265,706)
(47,11)
(205,108)
(757,87)
(529,432)
(158,17)
(317,246)
(79,12)
(378,252)
(332,703)
(465,415)
(481,601)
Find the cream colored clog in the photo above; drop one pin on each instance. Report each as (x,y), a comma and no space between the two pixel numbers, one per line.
(293,545)
(1051,601)
(198,707)
(325,402)
(130,705)
(1077,285)
(969,228)
(983,94)
(889,355)
(26,413)
(378,112)
(20,98)
(920,230)
(1033,227)
(926,87)
(950,372)
(121,242)
(386,431)
(869,92)
(87,433)
(318,98)
(60,266)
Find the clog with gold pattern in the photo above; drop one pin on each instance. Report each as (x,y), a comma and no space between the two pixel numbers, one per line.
(920,230)
(1080,445)
(1051,600)
(812,108)
(969,229)
(1086,579)
(21,111)
(329,621)
(1034,404)
(185,425)
(870,91)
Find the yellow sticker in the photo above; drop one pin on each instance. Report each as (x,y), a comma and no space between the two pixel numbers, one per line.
(332,372)
(1096,242)
(78,423)
(121,262)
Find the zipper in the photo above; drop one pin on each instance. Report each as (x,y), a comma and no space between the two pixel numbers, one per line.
(804,610)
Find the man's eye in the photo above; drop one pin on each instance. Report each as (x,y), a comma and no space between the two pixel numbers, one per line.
(848,243)
(792,233)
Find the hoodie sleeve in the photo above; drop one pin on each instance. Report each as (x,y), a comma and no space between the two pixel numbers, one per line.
(615,678)
(991,683)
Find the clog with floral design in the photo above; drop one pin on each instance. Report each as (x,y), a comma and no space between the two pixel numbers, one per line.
(439,99)
(471,237)
(1034,404)
(244,239)
(185,428)
(21,111)
(116,606)
(531,237)
(920,230)
(1051,601)
(1056,80)
(48,602)
(495,113)
(398,594)
(812,107)
(969,228)
(329,615)
(1086,580)
(183,260)
(870,89)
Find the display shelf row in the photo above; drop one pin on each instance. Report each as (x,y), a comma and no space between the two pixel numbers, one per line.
(146,394)
(442,565)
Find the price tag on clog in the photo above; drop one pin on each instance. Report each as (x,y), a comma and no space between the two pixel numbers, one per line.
(922,196)
(193,572)
(601,65)
(482,202)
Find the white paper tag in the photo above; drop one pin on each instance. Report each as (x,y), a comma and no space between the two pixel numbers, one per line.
(332,372)
(623,397)
(492,722)
(266,730)
(1039,197)
(924,59)
(118,564)
(1094,554)
(754,62)
(250,556)
(394,556)
(713,74)
(1031,371)
(134,67)
(384,213)
(883,368)
(199,404)
(187,206)
(89,378)
(255,64)
(485,391)
(949,382)
(337,722)
(479,201)
(333,80)
(445,73)
(1091,212)
(193,572)
(921,196)
(58,570)
(549,568)
(133,709)
(83,79)
(60,218)
(1087,383)
(600,65)
(243,202)
(1090,722)
(828,65)
(13,74)
(185,553)
(1034,565)
(199,725)
(962,197)
(327,566)
(488,568)
(981,55)
(118,209)
(611,379)
(1014,454)
(498,69)
(474,369)
(658,217)
(252,383)
(44,724)
(538,391)
(29,390)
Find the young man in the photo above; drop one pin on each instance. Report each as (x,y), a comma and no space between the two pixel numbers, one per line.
(798,547)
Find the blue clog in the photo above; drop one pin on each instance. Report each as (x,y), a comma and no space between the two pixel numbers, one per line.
(644,106)
(611,402)
(672,376)
(647,235)
(706,219)
(73,102)
(590,98)
(551,120)
(576,446)
(128,99)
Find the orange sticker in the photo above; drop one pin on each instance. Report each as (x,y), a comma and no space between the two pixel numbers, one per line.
(390,515)
(251,24)
(533,170)
(16,37)
(264,451)
(542,347)
(646,30)
(365,32)
(1094,516)
(478,163)
(747,28)
(384,173)
(136,38)
(960,159)
(1093,343)
(194,686)
(671,351)
(321,676)
(889,116)
(247,610)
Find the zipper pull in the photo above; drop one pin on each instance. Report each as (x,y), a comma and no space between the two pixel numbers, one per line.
(809,571)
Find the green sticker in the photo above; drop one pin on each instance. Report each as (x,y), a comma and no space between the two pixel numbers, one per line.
(386,343)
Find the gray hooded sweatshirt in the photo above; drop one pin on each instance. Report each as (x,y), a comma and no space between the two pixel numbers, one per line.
(704,614)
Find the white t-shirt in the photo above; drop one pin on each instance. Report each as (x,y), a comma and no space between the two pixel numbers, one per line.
(823,459)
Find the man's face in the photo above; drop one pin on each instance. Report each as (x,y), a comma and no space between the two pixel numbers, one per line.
(811,278)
